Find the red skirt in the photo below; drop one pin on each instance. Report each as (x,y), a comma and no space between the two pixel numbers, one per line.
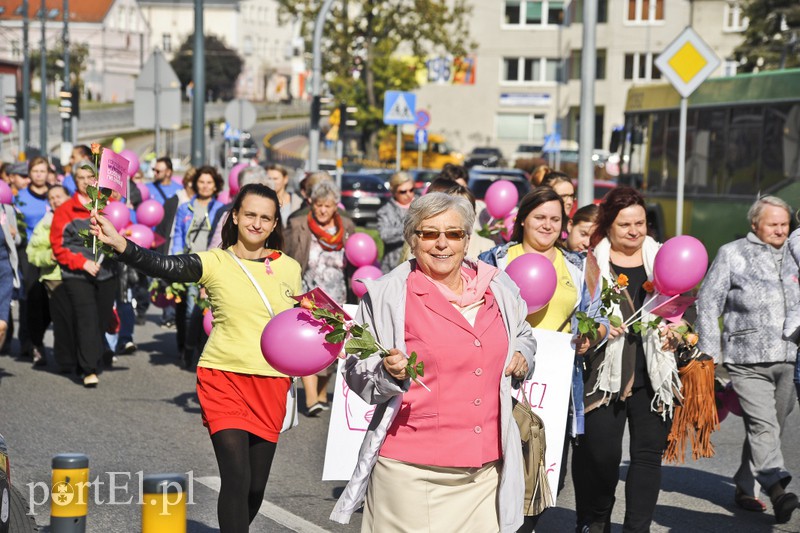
(256,404)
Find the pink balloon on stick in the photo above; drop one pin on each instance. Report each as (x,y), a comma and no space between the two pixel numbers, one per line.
(133,160)
(140,234)
(293,343)
(6,196)
(150,213)
(233,176)
(208,321)
(501,197)
(536,278)
(6,125)
(680,265)
(143,190)
(360,249)
(364,272)
(224,197)
(118,214)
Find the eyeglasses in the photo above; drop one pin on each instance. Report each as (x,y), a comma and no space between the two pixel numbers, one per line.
(433,235)
(404,191)
(566,197)
(159,170)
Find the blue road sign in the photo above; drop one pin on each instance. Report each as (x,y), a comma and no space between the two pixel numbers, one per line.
(421,136)
(399,108)
(423,119)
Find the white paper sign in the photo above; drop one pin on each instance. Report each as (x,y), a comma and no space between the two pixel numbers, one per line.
(548,392)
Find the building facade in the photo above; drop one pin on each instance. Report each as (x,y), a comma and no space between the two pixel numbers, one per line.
(527,65)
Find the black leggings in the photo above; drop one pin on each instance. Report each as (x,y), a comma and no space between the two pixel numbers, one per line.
(596,460)
(244,462)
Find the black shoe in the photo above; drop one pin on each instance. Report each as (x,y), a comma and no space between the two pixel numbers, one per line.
(37,353)
(314,410)
(784,506)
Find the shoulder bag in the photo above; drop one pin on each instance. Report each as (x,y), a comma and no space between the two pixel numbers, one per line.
(290,420)
(531,429)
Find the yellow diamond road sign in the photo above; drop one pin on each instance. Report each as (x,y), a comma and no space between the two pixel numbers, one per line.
(687,62)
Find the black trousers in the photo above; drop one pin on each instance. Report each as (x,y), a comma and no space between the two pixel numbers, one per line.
(38,312)
(92,303)
(63,325)
(596,460)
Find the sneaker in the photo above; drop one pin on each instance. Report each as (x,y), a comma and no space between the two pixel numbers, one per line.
(325,406)
(314,410)
(90,381)
(129,348)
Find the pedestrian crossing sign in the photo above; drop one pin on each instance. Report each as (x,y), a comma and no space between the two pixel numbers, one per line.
(399,107)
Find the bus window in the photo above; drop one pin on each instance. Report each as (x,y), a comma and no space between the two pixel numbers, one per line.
(744,142)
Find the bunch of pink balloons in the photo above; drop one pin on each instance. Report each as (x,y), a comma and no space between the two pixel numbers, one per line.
(6,125)
(6,196)
(141,235)
(150,213)
(293,342)
(233,177)
(118,214)
(536,278)
(680,265)
(361,251)
(501,198)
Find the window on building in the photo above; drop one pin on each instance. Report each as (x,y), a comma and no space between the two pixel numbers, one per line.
(640,67)
(729,67)
(520,127)
(247,46)
(16,51)
(602,11)
(645,10)
(166,42)
(575,64)
(534,12)
(530,70)
(734,19)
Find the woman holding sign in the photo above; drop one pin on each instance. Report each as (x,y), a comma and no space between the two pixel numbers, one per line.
(90,285)
(243,399)
(632,380)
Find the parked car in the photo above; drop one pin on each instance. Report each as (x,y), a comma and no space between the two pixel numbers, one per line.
(422,179)
(363,194)
(481,178)
(232,152)
(525,151)
(13,517)
(485,156)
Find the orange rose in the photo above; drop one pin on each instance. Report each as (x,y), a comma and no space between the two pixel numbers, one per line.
(96,148)
(692,338)
(648,286)
(622,280)
(306,303)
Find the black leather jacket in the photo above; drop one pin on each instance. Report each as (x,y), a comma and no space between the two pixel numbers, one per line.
(182,268)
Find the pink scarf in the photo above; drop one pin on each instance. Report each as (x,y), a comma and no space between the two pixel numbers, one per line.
(474,284)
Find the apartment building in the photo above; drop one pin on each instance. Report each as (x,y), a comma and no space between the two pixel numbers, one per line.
(527,65)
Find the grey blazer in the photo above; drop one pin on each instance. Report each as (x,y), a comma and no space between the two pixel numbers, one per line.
(383,308)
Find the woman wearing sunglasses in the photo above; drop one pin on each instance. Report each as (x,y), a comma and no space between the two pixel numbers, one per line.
(443,452)
(391,217)
(537,230)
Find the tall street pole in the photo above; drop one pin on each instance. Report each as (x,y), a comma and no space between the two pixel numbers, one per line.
(199,94)
(66,126)
(316,87)
(26,79)
(43,88)
(586,141)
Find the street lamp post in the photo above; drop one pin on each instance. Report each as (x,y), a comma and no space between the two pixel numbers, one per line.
(199,94)
(66,127)
(588,68)
(43,83)
(26,81)
(316,88)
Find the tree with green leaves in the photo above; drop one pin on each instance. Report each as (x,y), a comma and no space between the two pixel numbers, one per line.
(54,63)
(372,47)
(223,66)
(772,37)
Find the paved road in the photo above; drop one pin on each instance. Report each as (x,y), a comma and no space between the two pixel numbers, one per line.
(144,416)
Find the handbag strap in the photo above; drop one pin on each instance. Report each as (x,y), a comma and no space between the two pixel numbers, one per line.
(255,284)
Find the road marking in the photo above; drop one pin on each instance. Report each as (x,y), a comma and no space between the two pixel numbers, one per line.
(271,511)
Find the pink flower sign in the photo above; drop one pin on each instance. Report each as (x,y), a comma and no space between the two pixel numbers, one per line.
(113,173)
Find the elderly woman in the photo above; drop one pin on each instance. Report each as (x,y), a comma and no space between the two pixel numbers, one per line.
(391,217)
(316,241)
(745,286)
(449,459)
(632,381)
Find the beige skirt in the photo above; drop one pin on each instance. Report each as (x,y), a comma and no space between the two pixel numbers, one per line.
(409,498)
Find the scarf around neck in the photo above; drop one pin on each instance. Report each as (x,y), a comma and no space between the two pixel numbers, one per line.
(474,284)
(329,242)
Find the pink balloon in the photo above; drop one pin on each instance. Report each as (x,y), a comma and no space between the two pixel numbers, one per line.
(224,197)
(118,214)
(6,196)
(508,225)
(208,321)
(364,272)
(133,160)
(680,265)
(501,197)
(233,176)
(293,343)
(536,278)
(143,190)
(140,234)
(6,125)
(150,213)
(360,249)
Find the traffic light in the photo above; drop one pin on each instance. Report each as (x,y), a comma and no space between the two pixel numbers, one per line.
(76,103)
(345,118)
(65,104)
(12,107)
(212,130)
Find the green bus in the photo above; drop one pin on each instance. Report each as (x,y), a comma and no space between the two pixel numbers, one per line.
(742,141)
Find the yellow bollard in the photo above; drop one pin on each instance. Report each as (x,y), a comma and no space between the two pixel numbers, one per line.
(69,497)
(164,503)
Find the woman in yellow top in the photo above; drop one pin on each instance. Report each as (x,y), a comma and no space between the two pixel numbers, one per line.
(537,229)
(243,399)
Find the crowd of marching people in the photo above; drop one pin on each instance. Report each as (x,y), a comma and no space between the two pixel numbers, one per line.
(243,248)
